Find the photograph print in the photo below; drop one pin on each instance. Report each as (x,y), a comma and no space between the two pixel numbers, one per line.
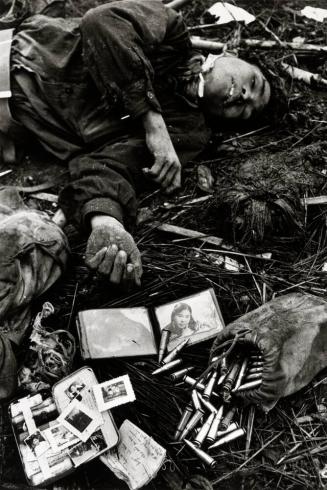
(113,393)
(196,318)
(60,437)
(37,443)
(74,390)
(82,452)
(80,420)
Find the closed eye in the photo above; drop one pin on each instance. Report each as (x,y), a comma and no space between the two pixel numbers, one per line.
(253,83)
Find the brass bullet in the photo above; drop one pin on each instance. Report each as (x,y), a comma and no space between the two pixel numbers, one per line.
(253,376)
(228,438)
(195,400)
(249,386)
(194,420)
(198,441)
(183,421)
(163,344)
(210,385)
(207,404)
(167,367)
(192,382)
(180,374)
(212,434)
(174,353)
(227,419)
(206,458)
(241,373)
(233,426)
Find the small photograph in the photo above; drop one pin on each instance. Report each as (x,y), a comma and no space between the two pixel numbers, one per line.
(82,452)
(37,443)
(74,390)
(113,393)
(80,420)
(60,437)
(99,441)
(196,318)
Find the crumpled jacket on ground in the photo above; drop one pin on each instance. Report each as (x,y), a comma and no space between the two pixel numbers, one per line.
(33,254)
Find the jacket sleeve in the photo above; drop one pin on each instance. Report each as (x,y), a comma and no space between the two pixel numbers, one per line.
(118,39)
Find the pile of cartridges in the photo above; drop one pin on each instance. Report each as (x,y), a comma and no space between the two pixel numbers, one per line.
(212,417)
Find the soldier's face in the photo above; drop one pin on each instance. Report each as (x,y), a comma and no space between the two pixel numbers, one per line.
(235,89)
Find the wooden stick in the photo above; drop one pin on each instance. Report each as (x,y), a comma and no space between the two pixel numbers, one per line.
(217,47)
(312,201)
(303,75)
(176,4)
(187,233)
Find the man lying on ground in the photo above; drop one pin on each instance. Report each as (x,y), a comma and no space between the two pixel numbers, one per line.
(122,97)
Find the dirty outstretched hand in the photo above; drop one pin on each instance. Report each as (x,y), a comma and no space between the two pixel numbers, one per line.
(112,252)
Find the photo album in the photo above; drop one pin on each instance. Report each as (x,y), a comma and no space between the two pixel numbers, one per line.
(128,332)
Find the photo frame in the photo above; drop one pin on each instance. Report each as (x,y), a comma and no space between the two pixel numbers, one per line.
(113,393)
(196,318)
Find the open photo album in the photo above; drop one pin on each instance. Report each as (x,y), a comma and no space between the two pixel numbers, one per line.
(127,332)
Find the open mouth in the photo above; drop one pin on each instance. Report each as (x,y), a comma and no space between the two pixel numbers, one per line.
(232,98)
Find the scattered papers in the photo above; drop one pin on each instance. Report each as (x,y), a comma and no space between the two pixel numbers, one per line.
(225,13)
(314,13)
(137,458)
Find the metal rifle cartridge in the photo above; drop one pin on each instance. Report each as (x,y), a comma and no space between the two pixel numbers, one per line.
(255,358)
(163,344)
(221,379)
(212,434)
(196,400)
(233,426)
(241,373)
(183,421)
(228,438)
(194,420)
(223,366)
(174,353)
(250,377)
(180,374)
(256,364)
(192,382)
(255,370)
(201,454)
(168,366)
(230,380)
(249,386)
(227,419)
(201,436)
(207,404)
(210,385)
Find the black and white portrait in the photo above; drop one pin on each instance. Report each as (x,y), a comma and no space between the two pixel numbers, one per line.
(196,318)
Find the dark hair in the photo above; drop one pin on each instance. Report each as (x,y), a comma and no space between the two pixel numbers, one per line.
(278,105)
(178,308)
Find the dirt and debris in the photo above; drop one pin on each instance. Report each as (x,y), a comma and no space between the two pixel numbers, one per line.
(289,445)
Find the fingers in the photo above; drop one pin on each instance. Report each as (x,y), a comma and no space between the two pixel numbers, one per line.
(175,183)
(118,270)
(108,260)
(137,266)
(164,170)
(93,261)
